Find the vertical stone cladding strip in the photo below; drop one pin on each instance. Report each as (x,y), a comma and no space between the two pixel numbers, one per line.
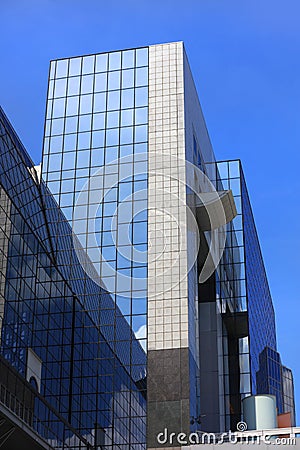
(168,354)
(168,299)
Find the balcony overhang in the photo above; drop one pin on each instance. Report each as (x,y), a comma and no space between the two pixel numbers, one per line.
(16,434)
(215,209)
(236,323)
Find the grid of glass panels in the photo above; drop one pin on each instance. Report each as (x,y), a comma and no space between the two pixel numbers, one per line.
(97,115)
(233,268)
(248,289)
(231,288)
(288,393)
(82,377)
(39,306)
(194,156)
(97,129)
(269,376)
(262,330)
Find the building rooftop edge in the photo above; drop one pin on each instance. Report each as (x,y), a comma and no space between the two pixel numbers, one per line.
(114,51)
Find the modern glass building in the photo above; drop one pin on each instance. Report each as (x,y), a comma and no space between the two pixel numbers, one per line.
(247,308)
(288,393)
(127,157)
(59,372)
(269,376)
(133,295)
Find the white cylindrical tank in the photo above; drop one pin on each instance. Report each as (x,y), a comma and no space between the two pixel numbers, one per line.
(260,412)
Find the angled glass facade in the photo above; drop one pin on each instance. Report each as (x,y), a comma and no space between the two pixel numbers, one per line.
(269,376)
(260,306)
(133,287)
(288,393)
(121,129)
(245,289)
(96,130)
(46,313)
(224,297)
(95,159)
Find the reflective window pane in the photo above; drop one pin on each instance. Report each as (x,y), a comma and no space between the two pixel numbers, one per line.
(114,80)
(141,76)
(141,116)
(138,284)
(69,160)
(140,134)
(56,144)
(125,190)
(128,59)
(100,82)
(98,139)
(88,64)
(52,69)
(51,89)
(60,87)
(84,140)
(141,96)
(127,117)
(109,209)
(113,119)
(83,158)
(61,68)
(101,62)
(99,121)
(67,185)
(72,106)
(75,66)
(86,104)
(127,100)
(234,169)
(71,124)
(73,86)
(108,238)
(70,142)
(223,170)
(141,57)
(124,304)
(58,107)
(126,151)
(126,171)
(126,135)
(112,136)
(54,186)
(139,232)
(99,102)
(139,305)
(54,162)
(113,100)
(57,126)
(87,82)
(97,157)
(114,61)
(127,78)
(85,122)
(111,155)
(49,109)
(140,148)
(47,127)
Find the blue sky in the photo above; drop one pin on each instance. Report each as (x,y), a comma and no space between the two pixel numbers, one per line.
(245,60)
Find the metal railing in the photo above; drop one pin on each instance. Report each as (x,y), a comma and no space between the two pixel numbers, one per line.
(50,426)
